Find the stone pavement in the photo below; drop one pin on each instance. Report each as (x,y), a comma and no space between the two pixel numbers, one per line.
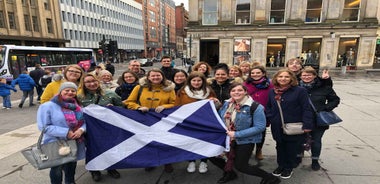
(350,153)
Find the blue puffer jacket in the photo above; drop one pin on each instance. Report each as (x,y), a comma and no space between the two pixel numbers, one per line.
(5,89)
(25,82)
(248,126)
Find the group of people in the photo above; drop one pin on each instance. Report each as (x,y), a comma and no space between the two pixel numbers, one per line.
(246,98)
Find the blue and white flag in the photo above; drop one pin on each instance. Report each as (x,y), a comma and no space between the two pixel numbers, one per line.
(119,138)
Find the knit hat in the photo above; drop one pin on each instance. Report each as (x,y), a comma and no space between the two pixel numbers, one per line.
(67,85)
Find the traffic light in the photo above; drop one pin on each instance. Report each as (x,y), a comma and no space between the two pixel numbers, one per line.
(113,47)
(106,49)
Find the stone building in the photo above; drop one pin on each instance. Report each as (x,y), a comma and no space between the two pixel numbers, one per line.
(326,32)
(31,23)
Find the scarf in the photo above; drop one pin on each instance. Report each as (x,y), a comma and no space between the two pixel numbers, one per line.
(72,112)
(197,94)
(308,86)
(262,83)
(279,91)
(230,117)
(126,90)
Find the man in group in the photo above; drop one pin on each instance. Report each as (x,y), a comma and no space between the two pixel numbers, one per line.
(166,67)
(36,75)
(135,66)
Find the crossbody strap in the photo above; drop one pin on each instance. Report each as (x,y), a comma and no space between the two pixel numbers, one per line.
(282,116)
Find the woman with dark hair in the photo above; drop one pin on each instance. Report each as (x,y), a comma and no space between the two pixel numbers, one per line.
(295,107)
(195,89)
(129,80)
(221,83)
(258,87)
(179,80)
(244,127)
(153,92)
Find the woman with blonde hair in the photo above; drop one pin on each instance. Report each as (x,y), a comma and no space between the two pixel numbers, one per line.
(72,73)
(92,93)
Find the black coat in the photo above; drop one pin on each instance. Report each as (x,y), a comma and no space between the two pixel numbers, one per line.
(221,90)
(323,96)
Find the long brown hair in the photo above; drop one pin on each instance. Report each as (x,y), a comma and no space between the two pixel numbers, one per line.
(194,75)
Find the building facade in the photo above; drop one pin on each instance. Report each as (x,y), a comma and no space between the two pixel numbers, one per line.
(181,21)
(330,33)
(87,22)
(31,23)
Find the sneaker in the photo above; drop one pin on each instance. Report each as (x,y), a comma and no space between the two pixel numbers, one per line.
(20,105)
(114,173)
(227,176)
(8,108)
(286,174)
(202,167)
(4,107)
(315,165)
(191,167)
(278,171)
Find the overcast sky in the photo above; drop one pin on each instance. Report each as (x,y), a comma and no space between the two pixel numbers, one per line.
(185,2)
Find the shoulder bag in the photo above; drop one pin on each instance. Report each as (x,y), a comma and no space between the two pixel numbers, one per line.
(43,156)
(290,128)
(325,118)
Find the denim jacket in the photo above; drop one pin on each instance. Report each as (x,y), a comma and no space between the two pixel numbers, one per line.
(248,126)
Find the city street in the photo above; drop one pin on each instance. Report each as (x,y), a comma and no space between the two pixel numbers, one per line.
(350,153)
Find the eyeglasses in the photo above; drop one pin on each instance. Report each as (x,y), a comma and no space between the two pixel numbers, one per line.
(89,82)
(73,71)
(135,65)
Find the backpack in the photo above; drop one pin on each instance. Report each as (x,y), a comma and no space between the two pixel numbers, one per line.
(254,106)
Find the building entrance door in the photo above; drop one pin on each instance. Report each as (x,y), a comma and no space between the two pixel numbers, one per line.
(209,52)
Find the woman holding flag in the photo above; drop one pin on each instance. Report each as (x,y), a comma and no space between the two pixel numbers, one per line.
(195,89)
(245,125)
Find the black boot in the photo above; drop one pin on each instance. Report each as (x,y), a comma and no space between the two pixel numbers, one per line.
(227,176)
(315,165)
(96,175)
(270,180)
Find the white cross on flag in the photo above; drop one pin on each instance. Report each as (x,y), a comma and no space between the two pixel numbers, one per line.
(119,138)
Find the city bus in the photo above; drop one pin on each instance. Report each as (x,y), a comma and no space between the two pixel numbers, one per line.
(16,59)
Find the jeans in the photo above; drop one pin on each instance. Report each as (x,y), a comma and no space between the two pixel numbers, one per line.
(7,101)
(39,92)
(25,94)
(241,162)
(68,169)
(287,150)
(316,145)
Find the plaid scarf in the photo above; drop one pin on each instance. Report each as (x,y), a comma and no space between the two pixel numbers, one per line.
(72,112)
(279,91)
(229,117)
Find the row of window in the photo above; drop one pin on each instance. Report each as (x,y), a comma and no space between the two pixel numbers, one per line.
(29,22)
(101,10)
(277,11)
(88,36)
(99,23)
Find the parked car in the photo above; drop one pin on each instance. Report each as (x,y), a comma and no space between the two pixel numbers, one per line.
(155,60)
(145,62)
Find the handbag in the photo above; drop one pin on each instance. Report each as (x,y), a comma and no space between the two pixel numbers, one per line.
(290,128)
(325,118)
(52,154)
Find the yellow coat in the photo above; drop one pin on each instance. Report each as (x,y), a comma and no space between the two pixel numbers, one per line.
(51,90)
(158,96)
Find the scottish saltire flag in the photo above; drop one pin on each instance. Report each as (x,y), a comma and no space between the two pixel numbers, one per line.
(119,138)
